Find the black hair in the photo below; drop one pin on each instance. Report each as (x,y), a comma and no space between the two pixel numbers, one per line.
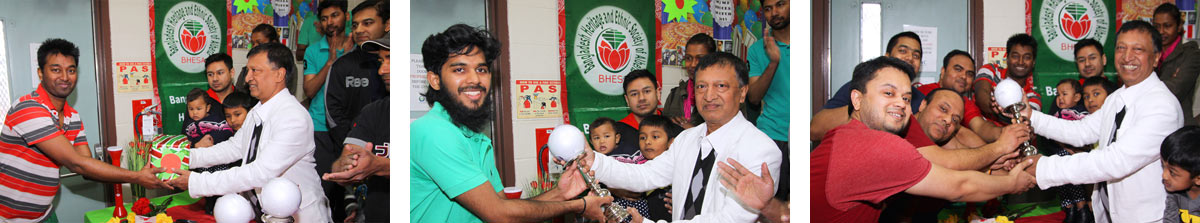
(1022,39)
(1143,26)
(1182,149)
(602,121)
(197,93)
(867,71)
(1089,42)
(239,99)
(381,8)
(929,97)
(896,39)
(952,54)
(459,39)
(268,31)
(662,122)
(279,56)
(1171,10)
(726,59)
(1074,84)
(56,46)
(638,74)
(220,57)
(340,4)
(1108,86)
(705,40)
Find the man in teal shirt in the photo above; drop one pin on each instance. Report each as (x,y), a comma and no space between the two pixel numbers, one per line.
(453,176)
(318,59)
(769,83)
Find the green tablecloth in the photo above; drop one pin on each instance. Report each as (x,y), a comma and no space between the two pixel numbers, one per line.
(102,215)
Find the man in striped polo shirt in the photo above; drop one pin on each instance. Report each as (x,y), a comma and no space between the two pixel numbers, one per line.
(42,133)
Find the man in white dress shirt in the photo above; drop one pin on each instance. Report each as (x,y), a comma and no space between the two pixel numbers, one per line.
(688,166)
(1129,130)
(275,141)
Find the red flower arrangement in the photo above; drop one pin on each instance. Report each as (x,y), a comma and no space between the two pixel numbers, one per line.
(143,207)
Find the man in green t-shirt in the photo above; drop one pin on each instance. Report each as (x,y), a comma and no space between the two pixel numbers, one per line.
(453,167)
(769,82)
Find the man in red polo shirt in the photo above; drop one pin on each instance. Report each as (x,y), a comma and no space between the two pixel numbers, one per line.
(1022,52)
(861,163)
(218,69)
(43,133)
(641,94)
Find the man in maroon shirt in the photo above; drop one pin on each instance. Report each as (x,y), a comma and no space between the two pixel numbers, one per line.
(861,163)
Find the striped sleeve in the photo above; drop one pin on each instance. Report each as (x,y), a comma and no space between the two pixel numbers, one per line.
(75,131)
(32,122)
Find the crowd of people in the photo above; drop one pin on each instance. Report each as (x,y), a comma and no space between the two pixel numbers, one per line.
(692,146)
(951,141)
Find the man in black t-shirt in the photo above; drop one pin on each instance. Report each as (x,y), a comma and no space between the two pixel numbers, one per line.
(365,161)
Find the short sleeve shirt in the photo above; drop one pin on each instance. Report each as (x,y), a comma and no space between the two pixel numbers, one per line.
(776,102)
(855,168)
(31,177)
(446,161)
(315,57)
(372,126)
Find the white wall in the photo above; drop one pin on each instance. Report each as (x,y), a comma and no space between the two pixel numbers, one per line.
(1002,19)
(533,50)
(533,46)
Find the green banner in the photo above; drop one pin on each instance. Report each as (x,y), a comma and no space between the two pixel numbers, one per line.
(604,41)
(1058,25)
(185,33)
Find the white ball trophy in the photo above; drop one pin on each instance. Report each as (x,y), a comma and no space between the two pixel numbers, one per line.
(566,143)
(280,199)
(1008,95)
(233,208)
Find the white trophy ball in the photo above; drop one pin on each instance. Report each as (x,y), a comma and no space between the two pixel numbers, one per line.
(1008,92)
(233,208)
(566,142)
(280,198)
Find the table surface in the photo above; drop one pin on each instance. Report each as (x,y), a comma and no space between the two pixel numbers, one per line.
(180,199)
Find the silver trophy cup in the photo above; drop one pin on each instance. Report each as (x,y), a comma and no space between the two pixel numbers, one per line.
(567,142)
(1014,110)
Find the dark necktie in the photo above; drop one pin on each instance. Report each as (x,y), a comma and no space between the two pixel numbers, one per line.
(695,198)
(1103,186)
(252,153)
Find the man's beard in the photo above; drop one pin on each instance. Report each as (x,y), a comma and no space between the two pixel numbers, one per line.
(779,25)
(474,119)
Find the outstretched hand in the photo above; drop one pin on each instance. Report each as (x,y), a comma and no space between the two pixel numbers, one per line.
(754,191)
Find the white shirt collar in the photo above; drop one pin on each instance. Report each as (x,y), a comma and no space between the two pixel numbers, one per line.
(1130,93)
(725,136)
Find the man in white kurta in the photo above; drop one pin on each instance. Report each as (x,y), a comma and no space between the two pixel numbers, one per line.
(275,141)
(1126,161)
(720,88)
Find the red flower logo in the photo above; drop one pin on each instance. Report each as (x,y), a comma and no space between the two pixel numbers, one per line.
(1075,22)
(613,50)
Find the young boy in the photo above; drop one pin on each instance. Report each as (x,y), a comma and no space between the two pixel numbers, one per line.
(655,137)
(237,106)
(1181,165)
(1095,90)
(203,127)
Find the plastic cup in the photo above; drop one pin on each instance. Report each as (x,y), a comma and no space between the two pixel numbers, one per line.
(512,192)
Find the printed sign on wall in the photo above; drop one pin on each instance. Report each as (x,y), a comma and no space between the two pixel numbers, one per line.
(538,99)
